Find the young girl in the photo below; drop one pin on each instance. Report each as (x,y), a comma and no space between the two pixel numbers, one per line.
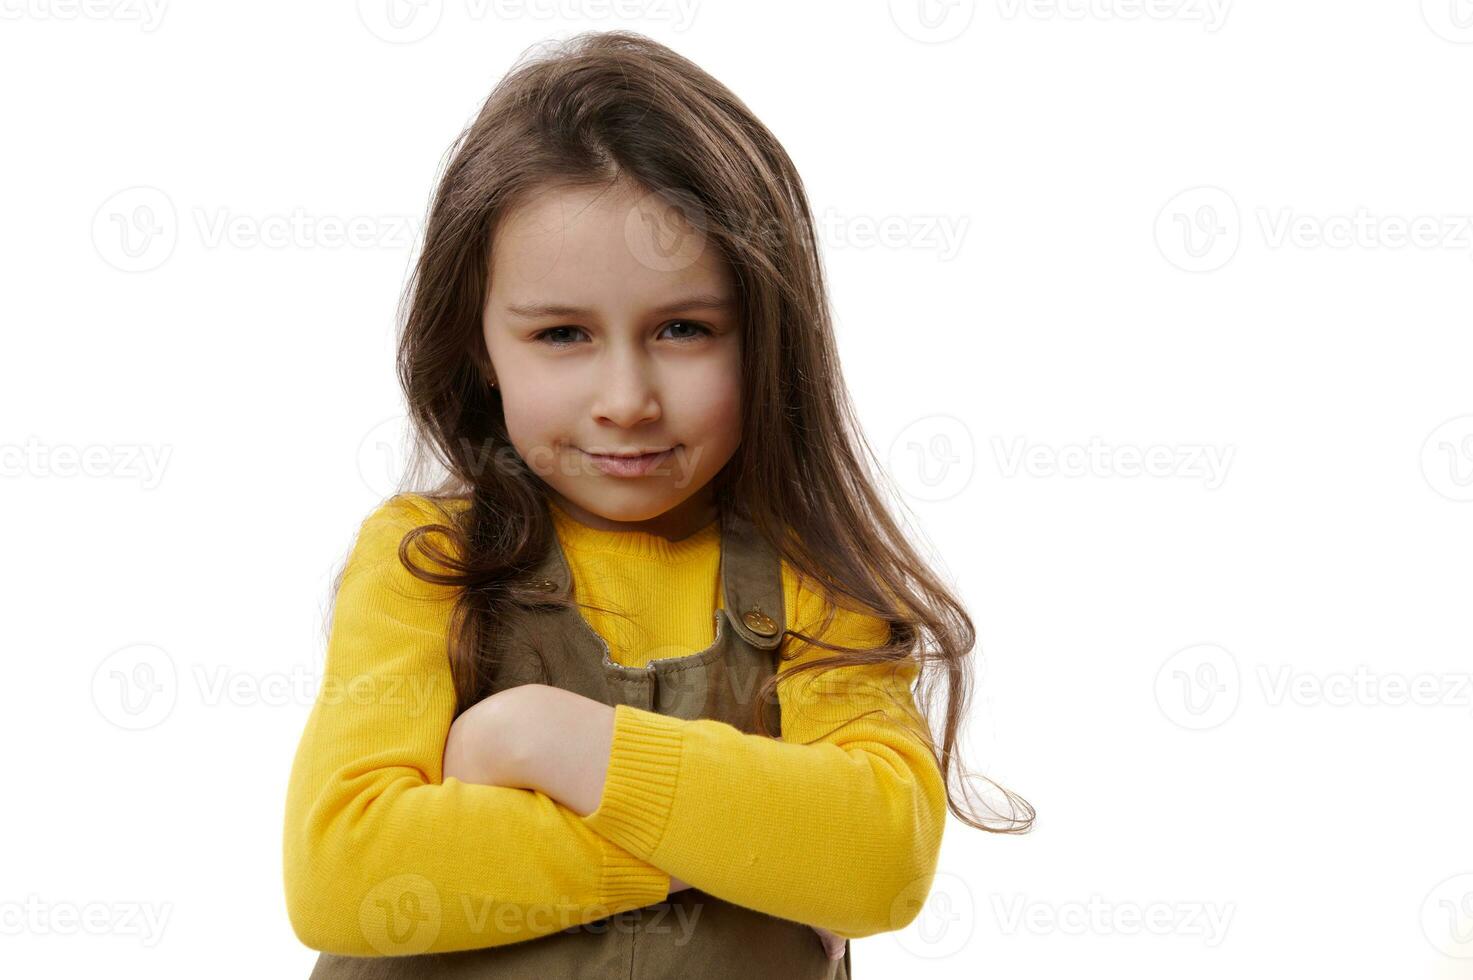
(630,692)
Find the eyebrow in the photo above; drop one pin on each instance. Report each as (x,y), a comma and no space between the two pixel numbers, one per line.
(704,301)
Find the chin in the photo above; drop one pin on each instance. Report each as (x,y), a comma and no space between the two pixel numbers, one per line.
(629,511)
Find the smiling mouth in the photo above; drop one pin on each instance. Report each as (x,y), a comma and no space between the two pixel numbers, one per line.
(634,455)
(630,465)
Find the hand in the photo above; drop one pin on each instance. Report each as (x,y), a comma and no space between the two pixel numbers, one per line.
(565,742)
(484,744)
(833,944)
(535,736)
(676,885)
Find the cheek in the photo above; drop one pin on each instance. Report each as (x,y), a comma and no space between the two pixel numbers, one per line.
(532,422)
(711,404)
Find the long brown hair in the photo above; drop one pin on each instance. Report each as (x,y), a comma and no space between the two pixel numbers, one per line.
(606,107)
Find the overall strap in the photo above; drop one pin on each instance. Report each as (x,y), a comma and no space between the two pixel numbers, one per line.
(751,572)
(552,574)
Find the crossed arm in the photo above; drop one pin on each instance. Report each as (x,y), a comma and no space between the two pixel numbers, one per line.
(580,817)
(551,740)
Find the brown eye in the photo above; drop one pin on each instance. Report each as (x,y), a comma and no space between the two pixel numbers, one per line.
(702,328)
(545,336)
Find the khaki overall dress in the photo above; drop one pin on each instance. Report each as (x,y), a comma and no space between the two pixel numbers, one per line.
(689,934)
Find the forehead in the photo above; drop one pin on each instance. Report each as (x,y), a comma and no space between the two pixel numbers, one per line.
(606,247)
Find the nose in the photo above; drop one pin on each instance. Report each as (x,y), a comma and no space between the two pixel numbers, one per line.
(628,394)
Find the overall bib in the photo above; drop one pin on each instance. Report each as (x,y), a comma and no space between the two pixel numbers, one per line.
(690,934)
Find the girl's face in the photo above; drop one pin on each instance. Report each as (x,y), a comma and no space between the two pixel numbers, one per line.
(613,329)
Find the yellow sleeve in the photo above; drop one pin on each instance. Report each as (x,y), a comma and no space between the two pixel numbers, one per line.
(380,856)
(843,833)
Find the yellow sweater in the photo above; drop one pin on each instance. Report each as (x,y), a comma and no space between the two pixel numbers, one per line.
(843,833)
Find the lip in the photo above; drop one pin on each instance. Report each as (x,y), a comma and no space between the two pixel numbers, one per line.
(628,465)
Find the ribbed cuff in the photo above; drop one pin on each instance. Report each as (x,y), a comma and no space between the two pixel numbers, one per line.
(639,789)
(628,882)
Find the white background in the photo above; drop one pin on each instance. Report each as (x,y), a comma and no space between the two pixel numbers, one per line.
(1235,231)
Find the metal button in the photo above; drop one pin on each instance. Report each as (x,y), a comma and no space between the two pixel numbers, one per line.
(759,622)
